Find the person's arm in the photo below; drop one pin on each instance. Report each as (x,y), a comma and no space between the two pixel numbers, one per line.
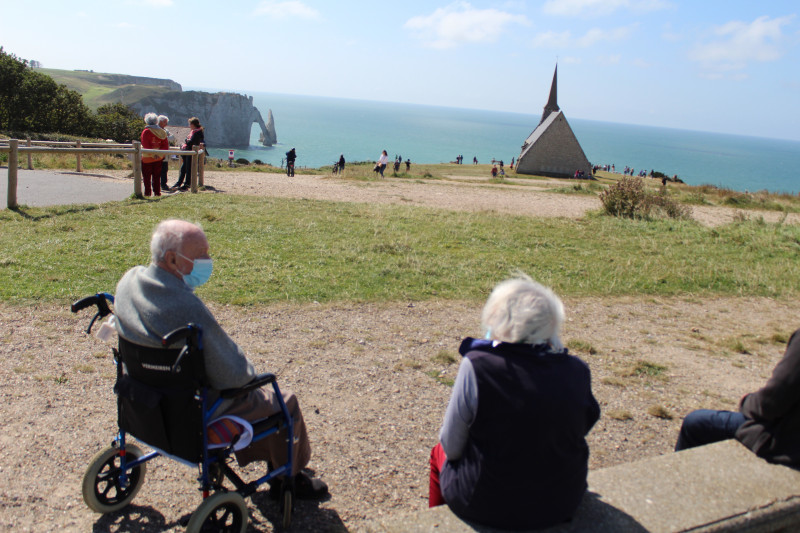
(460,412)
(781,392)
(226,364)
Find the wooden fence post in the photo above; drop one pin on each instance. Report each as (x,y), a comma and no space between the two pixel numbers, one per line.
(30,155)
(201,164)
(194,168)
(78,158)
(13,156)
(137,169)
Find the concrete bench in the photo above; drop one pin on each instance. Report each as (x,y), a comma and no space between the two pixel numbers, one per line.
(716,488)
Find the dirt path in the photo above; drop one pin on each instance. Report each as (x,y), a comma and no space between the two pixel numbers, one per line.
(366,379)
(462,193)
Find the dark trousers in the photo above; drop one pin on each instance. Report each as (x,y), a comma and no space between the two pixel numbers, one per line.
(706,426)
(150,176)
(164,168)
(185,176)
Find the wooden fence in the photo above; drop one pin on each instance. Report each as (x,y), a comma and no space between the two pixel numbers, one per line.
(135,151)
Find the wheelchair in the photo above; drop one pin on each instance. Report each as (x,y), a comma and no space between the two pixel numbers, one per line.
(164,401)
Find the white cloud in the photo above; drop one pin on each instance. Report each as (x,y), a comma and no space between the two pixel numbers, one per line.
(600,7)
(735,44)
(286,9)
(158,3)
(564,39)
(460,23)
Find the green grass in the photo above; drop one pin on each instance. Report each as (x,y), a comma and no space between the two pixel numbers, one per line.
(269,250)
(646,368)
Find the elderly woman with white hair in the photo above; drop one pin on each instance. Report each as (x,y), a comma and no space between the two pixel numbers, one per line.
(153,137)
(512,451)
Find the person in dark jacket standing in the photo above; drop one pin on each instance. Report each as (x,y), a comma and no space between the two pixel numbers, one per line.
(291,155)
(512,451)
(768,420)
(195,137)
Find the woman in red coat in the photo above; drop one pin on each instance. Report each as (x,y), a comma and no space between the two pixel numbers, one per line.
(153,137)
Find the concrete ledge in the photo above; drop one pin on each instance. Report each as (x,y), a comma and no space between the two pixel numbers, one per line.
(721,487)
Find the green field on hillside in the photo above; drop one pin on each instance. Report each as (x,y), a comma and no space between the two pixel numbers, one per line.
(99,88)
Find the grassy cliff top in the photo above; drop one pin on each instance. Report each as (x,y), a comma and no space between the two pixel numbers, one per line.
(98,88)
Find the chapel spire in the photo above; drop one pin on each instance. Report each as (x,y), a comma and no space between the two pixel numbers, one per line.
(552,102)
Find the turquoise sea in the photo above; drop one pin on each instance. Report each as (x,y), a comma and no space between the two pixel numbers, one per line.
(322,128)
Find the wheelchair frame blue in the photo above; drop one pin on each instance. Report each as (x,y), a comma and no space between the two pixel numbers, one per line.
(194,346)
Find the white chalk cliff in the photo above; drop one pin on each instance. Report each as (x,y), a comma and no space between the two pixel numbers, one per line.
(226,117)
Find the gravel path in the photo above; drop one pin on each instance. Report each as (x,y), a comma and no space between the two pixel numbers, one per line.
(368,377)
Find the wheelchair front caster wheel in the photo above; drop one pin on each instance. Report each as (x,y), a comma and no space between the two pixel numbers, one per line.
(102,490)
(225,512)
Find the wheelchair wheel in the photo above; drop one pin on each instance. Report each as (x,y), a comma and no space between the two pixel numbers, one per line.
(287,508)
(225,512)
(102,491)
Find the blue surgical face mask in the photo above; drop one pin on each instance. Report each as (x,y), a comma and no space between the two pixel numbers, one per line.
(201,271)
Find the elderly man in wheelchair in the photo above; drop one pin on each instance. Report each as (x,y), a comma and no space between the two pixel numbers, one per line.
(169,344)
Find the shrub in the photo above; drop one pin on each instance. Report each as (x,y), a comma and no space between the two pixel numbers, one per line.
(628,198)
(243,161)
(258,162)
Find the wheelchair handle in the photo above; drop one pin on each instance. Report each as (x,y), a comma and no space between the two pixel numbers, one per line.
(193,333)
(101,300)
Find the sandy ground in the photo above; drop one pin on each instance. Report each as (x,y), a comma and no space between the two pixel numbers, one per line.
(462,193)
(368,377)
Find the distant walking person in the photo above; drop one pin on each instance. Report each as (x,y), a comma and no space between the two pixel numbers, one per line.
(408,165)
(195,137)
(291,155)
(341,163)
(383,160)
(153,138)
(163,121)
(475,160)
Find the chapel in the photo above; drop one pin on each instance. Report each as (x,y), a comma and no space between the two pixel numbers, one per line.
(552,149)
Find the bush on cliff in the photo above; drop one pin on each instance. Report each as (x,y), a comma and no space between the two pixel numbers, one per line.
(628,198)
(31,101)
(118,122)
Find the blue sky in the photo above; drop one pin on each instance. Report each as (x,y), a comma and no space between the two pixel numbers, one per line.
(725,66)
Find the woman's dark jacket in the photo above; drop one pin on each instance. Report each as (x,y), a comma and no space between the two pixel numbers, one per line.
(772,429)
(526,461)
(194,138)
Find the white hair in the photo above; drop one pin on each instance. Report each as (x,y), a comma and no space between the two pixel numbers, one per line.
(151,119)
(519,310)
(168,237)
(163,118)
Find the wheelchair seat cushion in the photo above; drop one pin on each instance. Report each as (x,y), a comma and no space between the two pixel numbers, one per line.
(224,429)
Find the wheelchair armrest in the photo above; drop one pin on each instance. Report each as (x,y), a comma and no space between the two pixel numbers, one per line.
(258,382)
